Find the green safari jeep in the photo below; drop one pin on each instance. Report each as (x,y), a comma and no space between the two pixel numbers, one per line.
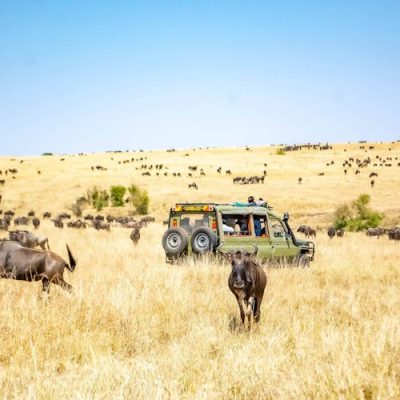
(202,228)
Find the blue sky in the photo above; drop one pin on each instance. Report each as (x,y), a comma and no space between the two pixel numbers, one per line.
(101,75)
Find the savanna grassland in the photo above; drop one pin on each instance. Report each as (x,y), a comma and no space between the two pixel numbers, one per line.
(135,327)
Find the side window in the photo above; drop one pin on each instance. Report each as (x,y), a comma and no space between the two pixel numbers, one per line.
(260,225)
(278,228)
(236,225)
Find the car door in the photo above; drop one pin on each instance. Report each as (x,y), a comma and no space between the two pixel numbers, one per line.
(281,241)
(263,239)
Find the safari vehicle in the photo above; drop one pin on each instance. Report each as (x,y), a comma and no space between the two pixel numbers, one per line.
(202,228)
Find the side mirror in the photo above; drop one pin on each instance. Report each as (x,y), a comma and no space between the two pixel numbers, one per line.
(286,216)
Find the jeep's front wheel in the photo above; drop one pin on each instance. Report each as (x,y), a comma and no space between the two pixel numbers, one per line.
(203,241)
(175,241)
(303,261)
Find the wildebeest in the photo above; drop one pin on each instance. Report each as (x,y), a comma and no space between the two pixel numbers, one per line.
(4,224)
(36,222)
(28,239)
(378,232)
(21,263)
(58,223)
(64,215)
(135,236)
(47,214)
(100,225)
(307,230)
(192,185)
(331,232)
(339,232)
(394,233)
(299,180)
(247,282)
(21,221)
(147,219)
(79,224)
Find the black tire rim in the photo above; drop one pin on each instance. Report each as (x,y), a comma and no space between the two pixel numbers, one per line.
(202,242)
(174,241)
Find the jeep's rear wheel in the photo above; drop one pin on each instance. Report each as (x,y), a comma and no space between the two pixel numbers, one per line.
(175,241)
(203,241)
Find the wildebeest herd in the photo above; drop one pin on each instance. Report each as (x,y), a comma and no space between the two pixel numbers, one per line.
(20,260)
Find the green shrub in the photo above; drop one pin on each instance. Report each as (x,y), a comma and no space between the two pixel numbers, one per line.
(280,152)
(117,195)
(357,215)
(98,198)
(47,154)
(139,199)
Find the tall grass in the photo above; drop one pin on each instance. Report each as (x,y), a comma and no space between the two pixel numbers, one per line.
(138,328)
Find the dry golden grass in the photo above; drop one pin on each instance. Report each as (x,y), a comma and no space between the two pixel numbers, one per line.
(138,328)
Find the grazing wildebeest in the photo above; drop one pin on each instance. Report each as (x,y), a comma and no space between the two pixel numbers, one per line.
(331,232)
(79,224)
(31,213)
(21,221)
(372,183)
(4,224)
(299,180)
(58,223)
(247,282)
(28,239)
(47,214)
(135,236)
(147,219)
(394,233)
(64,215)
(378,232)
(21,263)
(36,222)
(193,186)
(100,225)
(339,232)
(307,230)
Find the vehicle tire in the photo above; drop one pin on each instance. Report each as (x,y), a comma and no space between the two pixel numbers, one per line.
(203,241)
(175,241)
(303,261)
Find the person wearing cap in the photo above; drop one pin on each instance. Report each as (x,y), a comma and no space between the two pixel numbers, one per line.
(251,201)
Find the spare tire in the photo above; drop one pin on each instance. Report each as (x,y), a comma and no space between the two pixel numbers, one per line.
(175,241)
(203,240)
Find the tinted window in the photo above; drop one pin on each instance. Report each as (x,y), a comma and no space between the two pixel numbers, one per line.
(236,225)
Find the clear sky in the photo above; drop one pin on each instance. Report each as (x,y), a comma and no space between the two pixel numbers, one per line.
(101,75)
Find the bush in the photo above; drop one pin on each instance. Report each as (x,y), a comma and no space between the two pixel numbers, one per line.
(47,154)
(98,198)
(280,152)
(117,195)
(357,215)
(139,199)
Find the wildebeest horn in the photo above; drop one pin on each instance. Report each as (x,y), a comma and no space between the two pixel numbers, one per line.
(72,262)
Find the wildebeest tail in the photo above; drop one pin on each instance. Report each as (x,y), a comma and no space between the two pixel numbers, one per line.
(71,259)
